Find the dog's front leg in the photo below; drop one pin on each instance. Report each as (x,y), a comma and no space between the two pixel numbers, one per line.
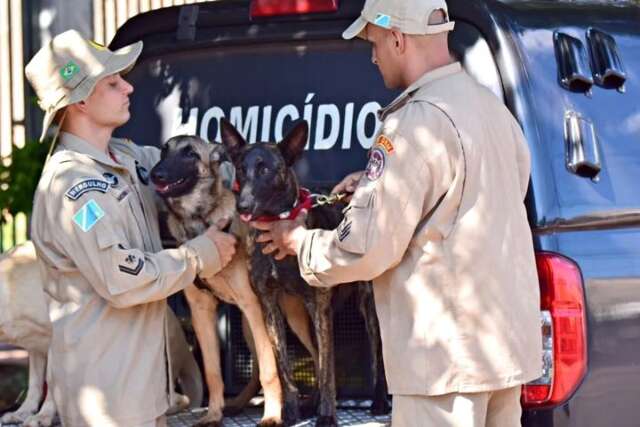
(203,307)
(322,315)
(267,364)
(37,364)
(277,334)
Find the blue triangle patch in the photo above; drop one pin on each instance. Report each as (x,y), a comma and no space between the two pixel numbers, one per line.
(88,215)
(383,20)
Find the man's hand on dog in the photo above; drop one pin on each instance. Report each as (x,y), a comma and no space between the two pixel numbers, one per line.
(281,236)
(225,243)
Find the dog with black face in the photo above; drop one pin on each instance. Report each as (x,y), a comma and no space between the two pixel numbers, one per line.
(268,190)
(190,178)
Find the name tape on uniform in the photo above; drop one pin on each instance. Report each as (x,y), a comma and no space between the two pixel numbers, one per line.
(92,184)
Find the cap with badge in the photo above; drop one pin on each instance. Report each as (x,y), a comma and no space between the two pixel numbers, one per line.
(407,16)
(66,70)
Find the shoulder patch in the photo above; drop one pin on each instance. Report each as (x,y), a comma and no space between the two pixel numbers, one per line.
(375,167)
(385,143)
(85,186)
(88,215)
(111,179)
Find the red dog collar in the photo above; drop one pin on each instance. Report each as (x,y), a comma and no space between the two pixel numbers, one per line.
(303,204)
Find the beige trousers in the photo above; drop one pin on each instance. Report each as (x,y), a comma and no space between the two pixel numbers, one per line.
(500,408)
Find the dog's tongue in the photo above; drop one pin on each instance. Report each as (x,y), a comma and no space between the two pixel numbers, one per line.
(161,188)
(245,217)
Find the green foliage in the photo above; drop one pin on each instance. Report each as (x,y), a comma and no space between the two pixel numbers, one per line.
(19,180)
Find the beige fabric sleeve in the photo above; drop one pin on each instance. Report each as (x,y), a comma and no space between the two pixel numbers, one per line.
(121,273)
(384,212)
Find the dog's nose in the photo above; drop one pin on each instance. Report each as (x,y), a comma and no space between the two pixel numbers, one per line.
(158,175)
(244,205)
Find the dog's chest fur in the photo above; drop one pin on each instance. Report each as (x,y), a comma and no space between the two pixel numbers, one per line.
(286,273)
(191,214)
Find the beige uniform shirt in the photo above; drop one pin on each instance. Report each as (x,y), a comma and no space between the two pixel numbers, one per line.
(95,229)
(439,224)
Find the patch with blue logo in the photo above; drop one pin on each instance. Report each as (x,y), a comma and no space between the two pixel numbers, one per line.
(86,186)
(111,179)
(88,215)
(383,20)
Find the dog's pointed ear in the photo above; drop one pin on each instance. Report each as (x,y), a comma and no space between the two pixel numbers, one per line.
(293,144)
(231,139)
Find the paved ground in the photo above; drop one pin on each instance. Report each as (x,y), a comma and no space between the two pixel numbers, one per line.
(350,414)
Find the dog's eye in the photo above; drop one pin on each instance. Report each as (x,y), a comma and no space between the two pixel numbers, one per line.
(188,152)
(263,170)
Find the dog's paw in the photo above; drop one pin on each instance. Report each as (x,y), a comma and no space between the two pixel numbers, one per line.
(17,417)
(209,420)
(270,422)
(179,403)
(380,407)
(327,421)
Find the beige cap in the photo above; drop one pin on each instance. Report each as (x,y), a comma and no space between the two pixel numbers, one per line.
(407,16)
(66,70)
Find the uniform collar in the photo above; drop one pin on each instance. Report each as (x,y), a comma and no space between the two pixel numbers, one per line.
(79,145)
(426,78)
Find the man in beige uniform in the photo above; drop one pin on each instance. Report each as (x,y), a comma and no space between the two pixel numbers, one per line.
(95,229)
(437,221)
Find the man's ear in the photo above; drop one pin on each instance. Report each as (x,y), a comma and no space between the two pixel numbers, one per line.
(231,139)
(399,41)
(80,106)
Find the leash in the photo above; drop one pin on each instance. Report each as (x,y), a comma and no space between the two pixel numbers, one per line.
(331,199)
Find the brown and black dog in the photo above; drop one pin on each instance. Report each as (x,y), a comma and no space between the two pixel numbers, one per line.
(268,188)
(190,179)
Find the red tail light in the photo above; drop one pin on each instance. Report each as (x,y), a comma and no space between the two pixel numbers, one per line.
(264,8)
(564,330)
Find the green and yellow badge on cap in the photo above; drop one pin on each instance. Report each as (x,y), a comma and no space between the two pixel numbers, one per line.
(69,70)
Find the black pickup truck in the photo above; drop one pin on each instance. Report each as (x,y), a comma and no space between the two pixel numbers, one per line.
(568,70)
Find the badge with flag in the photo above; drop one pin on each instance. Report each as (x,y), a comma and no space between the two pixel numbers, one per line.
(69,70)
(88,215)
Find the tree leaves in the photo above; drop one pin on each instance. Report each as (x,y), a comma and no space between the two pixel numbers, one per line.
(19,179)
